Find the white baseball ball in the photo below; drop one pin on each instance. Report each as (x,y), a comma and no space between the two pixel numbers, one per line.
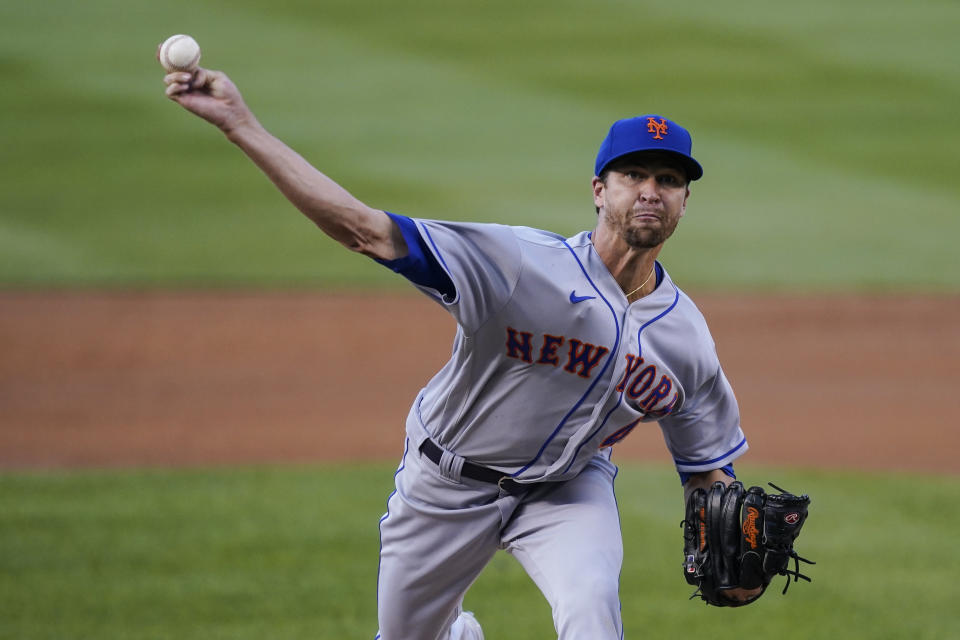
(179,53)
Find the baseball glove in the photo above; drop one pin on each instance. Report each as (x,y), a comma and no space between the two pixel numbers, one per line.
(736,538)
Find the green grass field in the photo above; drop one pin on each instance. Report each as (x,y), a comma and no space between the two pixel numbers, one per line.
(827,130)
(292,553)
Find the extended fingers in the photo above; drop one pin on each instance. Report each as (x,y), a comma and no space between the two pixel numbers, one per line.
(178,82)
(176,86)
(183,81)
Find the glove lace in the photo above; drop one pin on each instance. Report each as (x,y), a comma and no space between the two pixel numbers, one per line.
(796,570)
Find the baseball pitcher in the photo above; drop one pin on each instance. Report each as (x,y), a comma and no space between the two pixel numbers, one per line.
(563,347)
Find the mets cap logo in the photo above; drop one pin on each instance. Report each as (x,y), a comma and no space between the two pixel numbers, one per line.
(658,129)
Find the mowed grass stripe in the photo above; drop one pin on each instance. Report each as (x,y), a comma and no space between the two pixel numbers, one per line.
(825,133)
(292,553)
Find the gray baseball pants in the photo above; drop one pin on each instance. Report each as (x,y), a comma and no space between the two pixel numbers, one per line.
(440,530)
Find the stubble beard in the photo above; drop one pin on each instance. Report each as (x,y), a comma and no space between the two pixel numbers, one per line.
(646,237)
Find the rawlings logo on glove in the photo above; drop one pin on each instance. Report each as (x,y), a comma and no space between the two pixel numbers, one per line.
(736,539)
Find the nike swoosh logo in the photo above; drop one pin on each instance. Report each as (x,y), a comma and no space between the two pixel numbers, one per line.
(574,298)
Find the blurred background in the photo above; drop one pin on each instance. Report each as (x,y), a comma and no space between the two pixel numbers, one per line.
(165,314)
(828,132)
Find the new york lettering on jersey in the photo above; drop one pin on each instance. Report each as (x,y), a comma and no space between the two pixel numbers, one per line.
(577,357)
(646,387)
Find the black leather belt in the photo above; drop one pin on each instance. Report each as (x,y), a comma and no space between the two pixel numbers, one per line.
(474,471)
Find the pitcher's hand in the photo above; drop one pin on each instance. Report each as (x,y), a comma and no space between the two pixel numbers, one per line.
(210,95)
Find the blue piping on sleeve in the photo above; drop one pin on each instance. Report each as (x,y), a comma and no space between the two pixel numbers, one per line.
(419,266)
(707,463)
(727,469)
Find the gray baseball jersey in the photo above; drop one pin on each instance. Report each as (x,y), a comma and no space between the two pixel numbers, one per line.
(551,366)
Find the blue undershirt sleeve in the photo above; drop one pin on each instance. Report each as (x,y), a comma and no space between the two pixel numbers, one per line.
(419,266)
(728,469)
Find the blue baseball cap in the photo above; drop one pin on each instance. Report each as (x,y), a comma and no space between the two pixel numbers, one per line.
(647,133)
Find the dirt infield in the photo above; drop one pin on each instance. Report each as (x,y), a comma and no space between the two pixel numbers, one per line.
(124,379)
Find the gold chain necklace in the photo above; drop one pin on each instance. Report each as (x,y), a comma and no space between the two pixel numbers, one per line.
(652,271)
